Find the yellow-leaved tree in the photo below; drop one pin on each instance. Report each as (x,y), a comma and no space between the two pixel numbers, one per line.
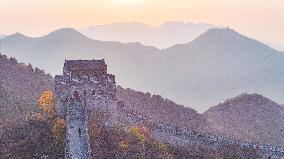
(46,102)
(124,145)
(140,133)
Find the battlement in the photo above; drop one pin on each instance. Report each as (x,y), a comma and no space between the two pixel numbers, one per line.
(88,82)
(79,68)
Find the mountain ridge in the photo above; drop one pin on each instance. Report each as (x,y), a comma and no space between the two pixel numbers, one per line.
(2,36)
(250,117)
(226,35)
(74,32)
(163,36)
(214,65)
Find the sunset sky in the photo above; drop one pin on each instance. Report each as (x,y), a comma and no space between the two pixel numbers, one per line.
(262,19)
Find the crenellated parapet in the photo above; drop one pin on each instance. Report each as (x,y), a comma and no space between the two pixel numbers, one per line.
(90,82)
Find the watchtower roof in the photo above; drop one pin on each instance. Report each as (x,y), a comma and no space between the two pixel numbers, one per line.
(84,64)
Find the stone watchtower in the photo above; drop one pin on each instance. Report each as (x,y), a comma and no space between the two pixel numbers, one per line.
(84,89)
(87,81)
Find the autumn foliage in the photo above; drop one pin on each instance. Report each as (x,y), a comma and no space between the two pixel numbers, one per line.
(160,146)
(46,102)
(124,145)
(36,116)
(59,129)
(141,132)
(145,131)
(94,129)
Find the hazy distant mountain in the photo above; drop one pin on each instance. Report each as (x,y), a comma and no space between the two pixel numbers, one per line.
(217,65)
(166,35)
(223,63)
(276,45)
(250,117)
(2,36)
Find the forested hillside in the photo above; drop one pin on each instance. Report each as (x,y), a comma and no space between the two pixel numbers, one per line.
(21,86)
(159,109)
(249,117)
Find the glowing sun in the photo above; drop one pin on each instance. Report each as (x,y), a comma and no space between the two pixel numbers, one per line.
(130,2)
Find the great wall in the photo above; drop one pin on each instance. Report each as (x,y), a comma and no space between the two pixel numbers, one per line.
(181,137)
(85,87)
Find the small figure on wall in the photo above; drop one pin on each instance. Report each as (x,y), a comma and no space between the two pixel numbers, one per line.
(79,132)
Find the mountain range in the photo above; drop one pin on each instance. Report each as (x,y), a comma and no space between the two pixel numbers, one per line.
(164,36)
(217,65)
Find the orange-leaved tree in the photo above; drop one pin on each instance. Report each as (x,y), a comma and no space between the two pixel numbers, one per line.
(59,129)
(46,102)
